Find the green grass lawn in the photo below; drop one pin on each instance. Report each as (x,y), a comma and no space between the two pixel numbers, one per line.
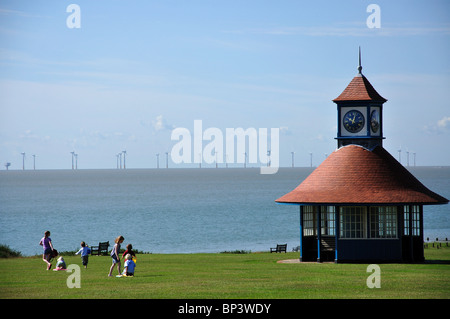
(225,276)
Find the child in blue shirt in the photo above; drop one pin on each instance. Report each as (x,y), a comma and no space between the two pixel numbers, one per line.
(85,251)
(129,266)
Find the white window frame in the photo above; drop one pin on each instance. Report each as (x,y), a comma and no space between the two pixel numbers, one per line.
(413,212)
(383,222)
(353,222)
(309,221)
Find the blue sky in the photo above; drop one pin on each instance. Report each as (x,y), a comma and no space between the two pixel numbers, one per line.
(136,70)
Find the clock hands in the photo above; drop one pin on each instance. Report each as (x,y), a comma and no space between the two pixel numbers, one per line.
(354,118)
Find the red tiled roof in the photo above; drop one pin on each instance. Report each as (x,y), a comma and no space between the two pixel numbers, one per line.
(360,89)
(355,175)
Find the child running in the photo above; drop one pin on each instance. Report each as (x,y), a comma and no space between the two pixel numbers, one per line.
(85,251)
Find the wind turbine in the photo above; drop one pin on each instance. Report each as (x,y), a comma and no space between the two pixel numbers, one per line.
(167,160)
(73,153)
(292,154)
(23,161)
(215,153)
(157,160)
(76,160)
(34,162)
(124,155)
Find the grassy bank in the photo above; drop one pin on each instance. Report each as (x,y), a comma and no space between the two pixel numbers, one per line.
(210,276)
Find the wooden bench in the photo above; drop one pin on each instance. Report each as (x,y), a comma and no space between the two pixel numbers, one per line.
(102,248)
(279,249)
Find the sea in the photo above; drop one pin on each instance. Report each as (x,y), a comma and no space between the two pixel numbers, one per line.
(174,210)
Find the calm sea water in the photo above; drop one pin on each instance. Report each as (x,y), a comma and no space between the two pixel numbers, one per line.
(168,210)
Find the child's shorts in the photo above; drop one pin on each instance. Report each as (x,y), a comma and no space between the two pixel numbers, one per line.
(114,259)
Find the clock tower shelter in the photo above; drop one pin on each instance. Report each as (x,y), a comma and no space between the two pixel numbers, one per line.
(360,113)
(360,204)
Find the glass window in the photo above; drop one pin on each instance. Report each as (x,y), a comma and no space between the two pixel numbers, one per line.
(383,222)
(327,221)
(352,222)
(406,220)
(413,212)
(309,228)
(415,220)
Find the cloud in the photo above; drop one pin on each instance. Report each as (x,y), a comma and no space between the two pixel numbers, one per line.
(284,130)
(160,124)
(319,137)
(32,136)
(20,13)
(441,126)
(13,12)
(96,138)
(351,29)
(444,122)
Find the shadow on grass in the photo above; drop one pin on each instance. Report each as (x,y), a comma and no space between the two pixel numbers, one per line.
(437,262)
(148,276)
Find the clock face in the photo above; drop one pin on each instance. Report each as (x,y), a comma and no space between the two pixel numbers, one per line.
(375,121)
(353,121)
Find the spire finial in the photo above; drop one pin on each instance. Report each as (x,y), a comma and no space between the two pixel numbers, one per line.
(359,67)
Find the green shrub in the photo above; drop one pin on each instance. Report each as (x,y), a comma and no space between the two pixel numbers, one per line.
(236,252)
(6,252)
